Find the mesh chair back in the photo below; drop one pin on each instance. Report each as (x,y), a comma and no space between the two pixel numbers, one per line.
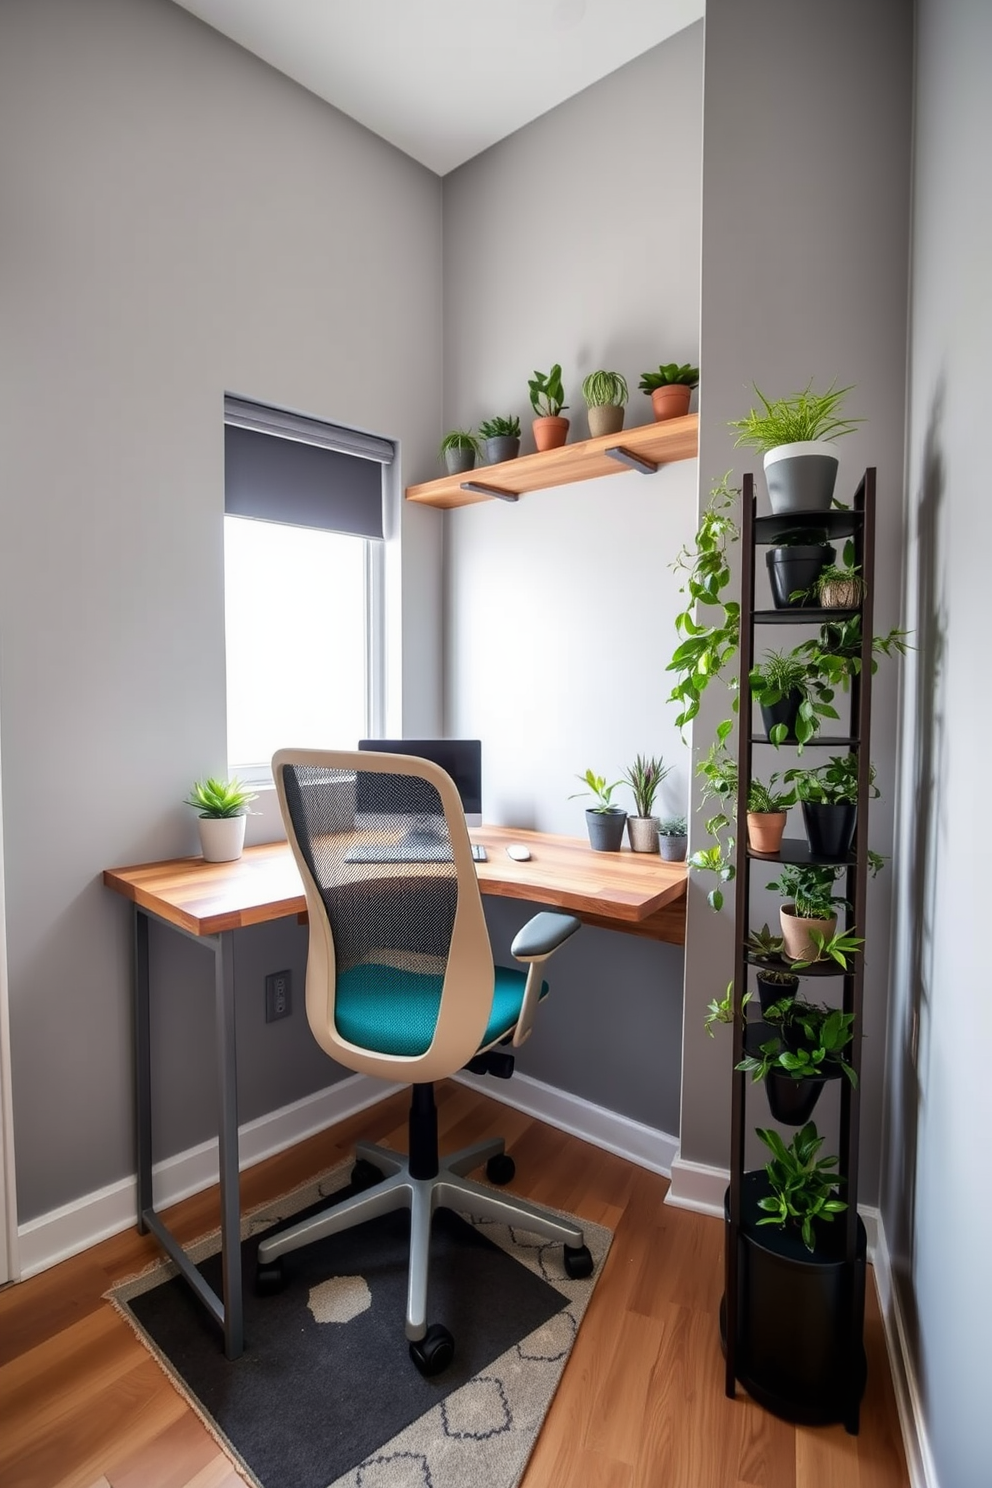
(399,972)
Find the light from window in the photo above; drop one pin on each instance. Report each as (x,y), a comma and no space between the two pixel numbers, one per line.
(297,640)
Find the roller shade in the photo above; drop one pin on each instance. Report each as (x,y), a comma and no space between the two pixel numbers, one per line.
(279,467)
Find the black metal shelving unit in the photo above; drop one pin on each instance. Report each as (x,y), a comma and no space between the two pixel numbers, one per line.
(812,1383)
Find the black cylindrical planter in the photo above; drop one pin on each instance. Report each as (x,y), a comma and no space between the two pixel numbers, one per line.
(786,711)
(606,829)
(772,992)
(830,828)
(800,1315)
(799,567)
(792,1101)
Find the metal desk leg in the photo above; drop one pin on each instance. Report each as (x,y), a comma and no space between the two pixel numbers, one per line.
(142,1067)
(227,1125)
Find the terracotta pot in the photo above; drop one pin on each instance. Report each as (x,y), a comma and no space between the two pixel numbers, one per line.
(795,933)
(670,401)
(605,418)
(765,829)
(643,833)
(549,433)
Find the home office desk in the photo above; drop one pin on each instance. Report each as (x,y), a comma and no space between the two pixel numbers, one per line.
(633,892)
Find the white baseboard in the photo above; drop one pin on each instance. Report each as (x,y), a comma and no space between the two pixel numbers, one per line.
(909,1403)
(64,1232)
(644,1145)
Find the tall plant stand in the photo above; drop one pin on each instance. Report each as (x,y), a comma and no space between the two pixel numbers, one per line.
(793,1320)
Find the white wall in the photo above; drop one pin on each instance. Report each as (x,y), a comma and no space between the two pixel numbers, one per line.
(576,241)
(179,221)
(935,1199)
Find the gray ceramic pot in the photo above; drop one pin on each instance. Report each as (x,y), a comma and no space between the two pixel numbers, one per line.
(606,829)
(458,461)
(801,477)
(501,447)
(672,849)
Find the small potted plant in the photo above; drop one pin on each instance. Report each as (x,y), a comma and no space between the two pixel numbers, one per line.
(775,979)
(802,1187)
(767,814)
(222,805)
(605,394)
(459,451)
(670,389)
(547,398)
(644,777)
(812,906)
(793,695)
(795,564)
(806,1049)
(500,438)
(796,437)
(604,821)
(673,838)
(829,798)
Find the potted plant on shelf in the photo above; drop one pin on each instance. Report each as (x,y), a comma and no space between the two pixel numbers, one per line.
(802,1187)
(812,905)
(459,451)
(670,389)
(605,394)
(774,977)
(806,1048)
(644,777)
(604,821)
(795,564)
(829,798)
(673,838)
(795,436)
(767,814)
(222,805)
(792,693)
(500,438)
(547,398)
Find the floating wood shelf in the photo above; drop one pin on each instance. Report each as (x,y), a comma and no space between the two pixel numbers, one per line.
(647,446)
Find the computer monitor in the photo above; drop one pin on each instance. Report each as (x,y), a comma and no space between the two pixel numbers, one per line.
(460,758)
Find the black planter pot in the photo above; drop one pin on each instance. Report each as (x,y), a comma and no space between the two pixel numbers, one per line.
(792,1101)
(786,711)
(772,992)
(798,567)
(800,1316)
(830,829)
(606,829)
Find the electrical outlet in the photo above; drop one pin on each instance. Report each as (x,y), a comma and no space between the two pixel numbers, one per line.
(278,995)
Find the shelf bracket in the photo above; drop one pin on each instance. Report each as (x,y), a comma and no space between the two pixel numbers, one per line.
(496,491)
(636,462)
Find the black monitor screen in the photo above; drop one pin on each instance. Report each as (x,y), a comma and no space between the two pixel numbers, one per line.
(460,758)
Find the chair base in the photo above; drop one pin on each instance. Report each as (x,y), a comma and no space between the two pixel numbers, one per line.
(447,1187)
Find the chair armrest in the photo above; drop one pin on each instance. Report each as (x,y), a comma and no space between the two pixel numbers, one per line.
(535,942)
(542,935)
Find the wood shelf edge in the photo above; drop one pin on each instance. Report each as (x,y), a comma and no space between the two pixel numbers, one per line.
(664,442)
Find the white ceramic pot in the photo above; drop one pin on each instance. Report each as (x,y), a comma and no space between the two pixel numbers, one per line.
(801,477)
(643,833)
(222,838)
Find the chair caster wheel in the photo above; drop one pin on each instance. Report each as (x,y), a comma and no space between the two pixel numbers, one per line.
(270,1277)
(365,1175)
(578,1261)
(501,1168)
(434,1352)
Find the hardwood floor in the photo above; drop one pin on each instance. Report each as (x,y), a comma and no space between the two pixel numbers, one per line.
(641,1403)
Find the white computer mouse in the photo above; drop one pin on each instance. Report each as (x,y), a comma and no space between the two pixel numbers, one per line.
(518,852)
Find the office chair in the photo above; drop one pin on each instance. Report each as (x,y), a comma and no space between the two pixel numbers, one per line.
(401,984)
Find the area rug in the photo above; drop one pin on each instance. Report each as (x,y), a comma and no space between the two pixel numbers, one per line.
(325,1394)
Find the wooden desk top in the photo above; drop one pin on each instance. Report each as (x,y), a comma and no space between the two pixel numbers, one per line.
(629,891)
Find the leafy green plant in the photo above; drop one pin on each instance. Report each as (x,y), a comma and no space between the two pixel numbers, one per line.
(832,573)
(837,947)
(547,395)
(673,826)
(601,389)
(836,653)
(667,374)
(764,944)
(803,1188)
(810,887)
(500,428)
(220,798)
(800,417)
(834,783)
(762,797)
(781,673)
(722,1011)
(598,789)
(460,439)
(814,1040)
(644,777)
(704,649)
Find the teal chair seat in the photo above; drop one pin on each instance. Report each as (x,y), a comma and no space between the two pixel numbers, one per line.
(395,1012)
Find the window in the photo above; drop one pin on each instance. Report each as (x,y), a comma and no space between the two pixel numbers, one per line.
(303,584)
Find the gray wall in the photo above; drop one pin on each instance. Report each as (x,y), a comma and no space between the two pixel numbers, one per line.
(804,265)
(935,1196)
(576,240)
(179,220)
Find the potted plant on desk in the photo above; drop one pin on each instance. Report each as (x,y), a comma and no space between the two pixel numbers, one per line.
(673,839)
(604,821)
(222,805)
(644,777)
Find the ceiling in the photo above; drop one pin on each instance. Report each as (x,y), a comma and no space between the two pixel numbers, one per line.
(444,79)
